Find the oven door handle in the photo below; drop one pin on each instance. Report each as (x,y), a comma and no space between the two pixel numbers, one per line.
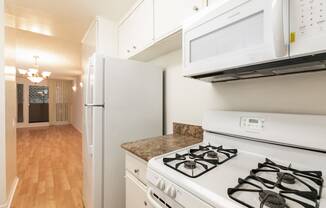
(151,201)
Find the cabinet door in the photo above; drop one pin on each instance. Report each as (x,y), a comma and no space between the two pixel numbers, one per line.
(135,193)
(125,35)
(137,31)
(143,26)
(170,14)
(211,2)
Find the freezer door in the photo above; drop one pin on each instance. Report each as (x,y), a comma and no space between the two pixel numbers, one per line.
(93,133)
(94,81)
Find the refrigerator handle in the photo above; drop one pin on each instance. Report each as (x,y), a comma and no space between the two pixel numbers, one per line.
(88,133)
(94,105)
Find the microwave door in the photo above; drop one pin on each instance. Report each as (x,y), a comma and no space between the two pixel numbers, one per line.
(237,34)
(307,27)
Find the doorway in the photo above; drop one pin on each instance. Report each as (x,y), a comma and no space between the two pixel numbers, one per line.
(38,107)
(32,104)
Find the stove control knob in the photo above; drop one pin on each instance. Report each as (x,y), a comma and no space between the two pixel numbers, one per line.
(171,191)
(161,185)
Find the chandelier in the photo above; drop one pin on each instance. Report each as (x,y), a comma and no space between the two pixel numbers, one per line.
(33,75)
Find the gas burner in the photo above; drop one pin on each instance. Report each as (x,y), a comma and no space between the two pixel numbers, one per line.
(286,178)
(272,199)
(212,154)
(216,155)
(190,164)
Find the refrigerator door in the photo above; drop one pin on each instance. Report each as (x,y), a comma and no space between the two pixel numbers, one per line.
(134,103)
(93,132)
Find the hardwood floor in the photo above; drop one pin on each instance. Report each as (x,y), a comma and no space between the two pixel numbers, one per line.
(49,164)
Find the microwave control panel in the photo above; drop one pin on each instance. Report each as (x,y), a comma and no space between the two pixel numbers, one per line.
(307,17)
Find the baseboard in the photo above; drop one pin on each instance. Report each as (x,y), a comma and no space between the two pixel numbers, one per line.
(61,123)
(75,127)
(11,194)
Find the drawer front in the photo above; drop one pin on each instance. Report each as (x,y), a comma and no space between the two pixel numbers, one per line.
(137,167)
(135,193)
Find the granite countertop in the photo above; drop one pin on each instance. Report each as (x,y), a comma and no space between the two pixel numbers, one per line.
(183,135)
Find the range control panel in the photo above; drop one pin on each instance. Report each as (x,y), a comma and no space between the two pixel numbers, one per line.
(252,124)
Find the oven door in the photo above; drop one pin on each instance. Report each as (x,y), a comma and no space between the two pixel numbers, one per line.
(236,33)
(157,199)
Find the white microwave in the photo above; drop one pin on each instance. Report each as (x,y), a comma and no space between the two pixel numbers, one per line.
(240,33)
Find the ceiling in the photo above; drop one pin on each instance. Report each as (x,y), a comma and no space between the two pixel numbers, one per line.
(58,56)
(65,19)
(53,30)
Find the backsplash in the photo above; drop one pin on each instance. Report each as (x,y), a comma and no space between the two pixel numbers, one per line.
(187,99)
(187,130)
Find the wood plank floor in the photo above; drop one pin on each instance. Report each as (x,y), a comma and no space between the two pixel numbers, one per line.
(49,163)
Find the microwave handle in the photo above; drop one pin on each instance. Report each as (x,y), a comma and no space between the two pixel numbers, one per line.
(286,21)
(280,27)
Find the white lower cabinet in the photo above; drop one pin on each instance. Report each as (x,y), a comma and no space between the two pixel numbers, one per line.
(135,193)
(136,188)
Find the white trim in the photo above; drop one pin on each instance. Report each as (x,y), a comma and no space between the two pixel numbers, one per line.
(79,130)
(11,195)
(2,110)
(41,124)
(93,23)
(61,123)
(129,12)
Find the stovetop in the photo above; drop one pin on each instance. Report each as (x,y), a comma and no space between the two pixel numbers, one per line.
(227,177)
(248,159)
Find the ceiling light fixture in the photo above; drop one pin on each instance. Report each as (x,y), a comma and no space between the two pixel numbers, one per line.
(32,74)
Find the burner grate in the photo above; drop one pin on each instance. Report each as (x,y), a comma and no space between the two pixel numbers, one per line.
(274,194)
(199,160)
(189,165)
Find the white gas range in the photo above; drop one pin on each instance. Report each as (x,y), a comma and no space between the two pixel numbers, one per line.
(246,160)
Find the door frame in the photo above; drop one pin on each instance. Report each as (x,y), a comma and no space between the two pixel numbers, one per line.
(27,83)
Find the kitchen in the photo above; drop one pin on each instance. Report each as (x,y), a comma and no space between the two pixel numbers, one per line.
(159,41)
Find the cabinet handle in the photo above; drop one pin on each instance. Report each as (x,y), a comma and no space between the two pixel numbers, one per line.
(136,171)
(145,203)
(195,8)
(134,47)
(128,51)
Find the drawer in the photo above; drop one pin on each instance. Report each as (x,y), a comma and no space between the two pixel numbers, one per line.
(136,166)
(135,192)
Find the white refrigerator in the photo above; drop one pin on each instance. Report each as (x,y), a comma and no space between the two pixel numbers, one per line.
(123,102)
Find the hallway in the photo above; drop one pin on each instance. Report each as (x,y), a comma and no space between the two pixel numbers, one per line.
(49,165)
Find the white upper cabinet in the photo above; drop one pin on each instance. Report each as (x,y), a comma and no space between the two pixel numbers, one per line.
(170,14)
(125,36)
(136,31)
(210,2)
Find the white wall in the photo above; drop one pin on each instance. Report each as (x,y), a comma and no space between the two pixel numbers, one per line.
(2,111)
(77,105)
(188,99)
